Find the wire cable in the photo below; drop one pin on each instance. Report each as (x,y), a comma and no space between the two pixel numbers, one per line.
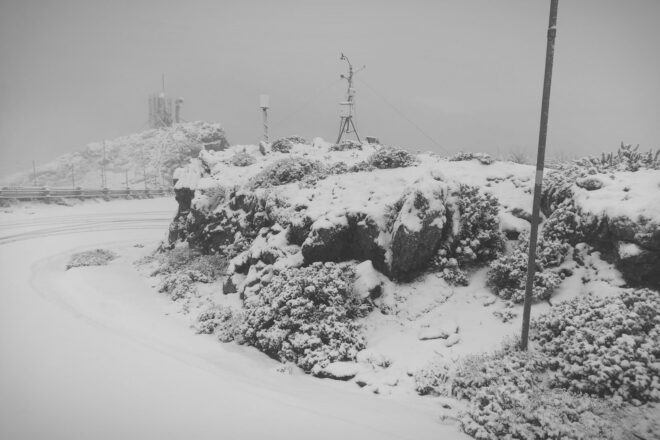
(403,115)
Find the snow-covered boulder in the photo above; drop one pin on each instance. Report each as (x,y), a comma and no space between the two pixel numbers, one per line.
(439,330)
(340,370)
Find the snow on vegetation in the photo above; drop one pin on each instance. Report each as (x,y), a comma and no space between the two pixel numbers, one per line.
(152,155)
(402,273)
(96,257)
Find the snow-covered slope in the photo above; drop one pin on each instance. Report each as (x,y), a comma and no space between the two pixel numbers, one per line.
(152,155)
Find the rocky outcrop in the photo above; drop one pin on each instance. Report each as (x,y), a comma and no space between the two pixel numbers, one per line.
(600,202)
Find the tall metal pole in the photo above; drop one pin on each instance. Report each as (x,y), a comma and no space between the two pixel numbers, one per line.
(264,104)
(73,177)
(104,181)
(540,162)
(34,173)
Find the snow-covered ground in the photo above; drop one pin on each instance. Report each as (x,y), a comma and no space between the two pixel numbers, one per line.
(97,353)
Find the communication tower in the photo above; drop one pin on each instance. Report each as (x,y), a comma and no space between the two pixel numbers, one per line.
(347,107)
(161,112)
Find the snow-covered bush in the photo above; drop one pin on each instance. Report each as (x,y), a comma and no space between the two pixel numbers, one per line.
(284,145)
(338,168)
(507,276)
(605,346)
(361,166)
(563,225)
(479,239)
(484,158)
(434,378)
(508,398)
(346,144)
(306,316)
(242,159)
(390,157)
(97,257)
(180,285)
(183,258)
(290,169)
(504,412)
(627,158)
(222,321)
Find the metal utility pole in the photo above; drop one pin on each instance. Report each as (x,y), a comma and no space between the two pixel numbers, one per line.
(126,178)
(347,108)
(103,178)
(73,177)
(34,173)
(263,103)
(540,162)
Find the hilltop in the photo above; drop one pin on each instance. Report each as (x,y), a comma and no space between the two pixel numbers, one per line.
(153,154)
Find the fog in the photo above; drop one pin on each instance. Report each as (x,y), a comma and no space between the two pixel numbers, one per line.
(467,73)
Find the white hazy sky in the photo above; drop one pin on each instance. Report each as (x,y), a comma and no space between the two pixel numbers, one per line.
(468,72)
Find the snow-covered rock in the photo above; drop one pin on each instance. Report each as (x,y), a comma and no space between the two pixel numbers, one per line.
(368,282)
(452,340)
(340,370)
(441,330)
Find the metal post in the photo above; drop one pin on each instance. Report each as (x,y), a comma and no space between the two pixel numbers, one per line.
(34,173)
(73,177)
(540,161)
(264,104)
(103,179)
(126,179)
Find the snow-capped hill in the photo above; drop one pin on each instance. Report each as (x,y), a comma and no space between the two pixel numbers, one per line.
(151,155)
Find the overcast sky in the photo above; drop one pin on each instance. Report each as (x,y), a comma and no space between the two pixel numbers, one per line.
(468,73)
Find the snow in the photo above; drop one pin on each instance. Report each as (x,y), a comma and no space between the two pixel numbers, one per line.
(627,250)
(367,279)
(98,353)
(635,195)
(341,370)
(153,154)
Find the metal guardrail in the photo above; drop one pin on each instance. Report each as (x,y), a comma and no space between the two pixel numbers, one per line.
(34,193)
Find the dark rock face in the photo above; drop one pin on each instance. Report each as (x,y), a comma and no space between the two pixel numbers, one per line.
(355,238)
(413,248)
(608,234)
(639,267)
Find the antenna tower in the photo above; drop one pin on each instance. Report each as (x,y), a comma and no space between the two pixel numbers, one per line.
(347,108)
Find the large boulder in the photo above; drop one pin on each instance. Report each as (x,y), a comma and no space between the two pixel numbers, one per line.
(417,231)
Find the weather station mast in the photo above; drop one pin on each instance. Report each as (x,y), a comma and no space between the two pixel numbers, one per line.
(347,108)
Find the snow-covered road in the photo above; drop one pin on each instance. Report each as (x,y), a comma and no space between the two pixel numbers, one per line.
(95,353)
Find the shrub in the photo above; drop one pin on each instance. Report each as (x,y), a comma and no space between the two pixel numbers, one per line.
(563,225)
(508,398)
(182,258)
(180,285)
(484,158)
(627,158)
(338,168)
(97,257)
(434,378)
(283,171)
(361,166)
(507,277)
(284,145)
(221,320)
(479,239)
(346,145)
(242,159)
(390,157)
(306,316)
(605,346)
